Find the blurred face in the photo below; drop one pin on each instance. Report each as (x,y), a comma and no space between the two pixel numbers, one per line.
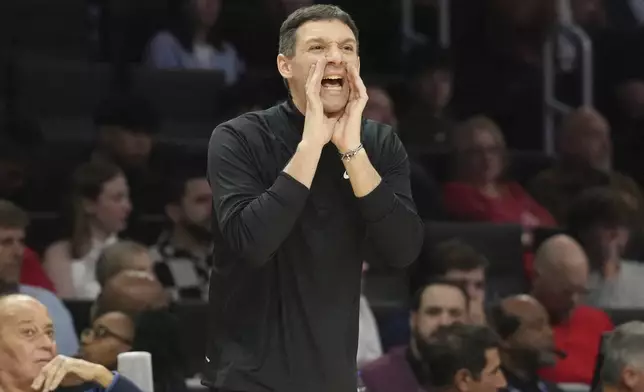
(112,207)
(379,107)
(603,245)
(26,341)
(207,11)
(590,142)
(133,291)
(588,12)
(197,202)
(109,336)
(490,380)
(12,177)
(12,247)
(483,157)
(440,305)
(560,290)
(131,149)
(473,281)
(631,99)
(533,340)
(330,39)
(436,88)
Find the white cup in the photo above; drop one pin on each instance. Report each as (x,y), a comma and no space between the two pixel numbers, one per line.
(136,366)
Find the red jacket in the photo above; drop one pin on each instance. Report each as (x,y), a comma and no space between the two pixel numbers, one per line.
(32,272)
(467,202)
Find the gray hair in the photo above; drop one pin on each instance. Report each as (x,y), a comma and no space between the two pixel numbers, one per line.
(624,347)
(309,14)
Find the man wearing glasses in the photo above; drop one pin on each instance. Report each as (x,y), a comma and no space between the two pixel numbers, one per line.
(560,284)
(110,335)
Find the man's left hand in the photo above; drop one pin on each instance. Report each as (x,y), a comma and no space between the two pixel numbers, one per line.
(346,135)
(68,371)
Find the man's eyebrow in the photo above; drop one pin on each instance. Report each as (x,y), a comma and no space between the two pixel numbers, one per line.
(21,322)
(349,41)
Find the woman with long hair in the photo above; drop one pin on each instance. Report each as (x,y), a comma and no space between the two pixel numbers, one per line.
(100,207)
(193,41)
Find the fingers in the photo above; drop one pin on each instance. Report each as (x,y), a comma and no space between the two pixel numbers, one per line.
(314,82)
(357,85)
(56,375)
(46,372)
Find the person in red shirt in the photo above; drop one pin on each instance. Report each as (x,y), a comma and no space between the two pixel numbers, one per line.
(560,281)
(479,192)
(32,272)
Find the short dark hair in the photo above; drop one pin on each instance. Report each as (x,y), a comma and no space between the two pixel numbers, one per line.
(12,216)
(456,254)
(113,259)
(598,207)
(175,186)
(127,110)
(308,14)
(418,295)
(456,347)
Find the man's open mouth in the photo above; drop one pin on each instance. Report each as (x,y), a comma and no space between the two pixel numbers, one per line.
(333,82)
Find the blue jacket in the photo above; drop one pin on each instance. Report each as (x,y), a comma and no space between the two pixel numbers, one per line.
(119,384)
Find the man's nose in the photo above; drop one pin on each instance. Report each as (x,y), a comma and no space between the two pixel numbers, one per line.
(334,55)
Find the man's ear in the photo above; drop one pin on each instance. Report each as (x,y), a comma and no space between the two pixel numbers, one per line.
(462,380)
(284,66)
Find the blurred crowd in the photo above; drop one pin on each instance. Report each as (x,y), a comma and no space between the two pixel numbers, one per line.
(105,210)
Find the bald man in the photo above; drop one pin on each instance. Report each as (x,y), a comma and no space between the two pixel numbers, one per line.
(28,360)
(560,282)
(585,162)
(524,326)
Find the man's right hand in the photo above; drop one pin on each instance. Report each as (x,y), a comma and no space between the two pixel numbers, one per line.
(318,129)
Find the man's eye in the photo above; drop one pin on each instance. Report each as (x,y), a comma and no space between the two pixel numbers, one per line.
(348,48)
(316,47)
(28,332)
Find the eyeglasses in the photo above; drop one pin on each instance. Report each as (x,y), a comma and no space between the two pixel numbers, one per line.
(102,332)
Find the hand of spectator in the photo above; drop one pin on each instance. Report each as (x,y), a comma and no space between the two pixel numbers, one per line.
(68,371)
(477,313)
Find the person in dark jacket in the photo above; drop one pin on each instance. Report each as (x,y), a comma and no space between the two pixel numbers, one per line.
(297,189)
(28,360)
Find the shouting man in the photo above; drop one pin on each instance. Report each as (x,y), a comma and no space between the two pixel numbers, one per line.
(297,189)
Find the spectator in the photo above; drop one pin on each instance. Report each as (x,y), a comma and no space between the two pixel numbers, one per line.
(369,346)
(13,222)
(561,279)
(28,360)
(523,325)
(130,292)
(155,332)
(124,255)
(479,192)
(100,208)
(464,358)
(127,125)
(427,125)
(380,107)
(436,304)
(622,367)
(195,42)
(183,254)
(585,163)
(110,335)
(458,262)
(600,220)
